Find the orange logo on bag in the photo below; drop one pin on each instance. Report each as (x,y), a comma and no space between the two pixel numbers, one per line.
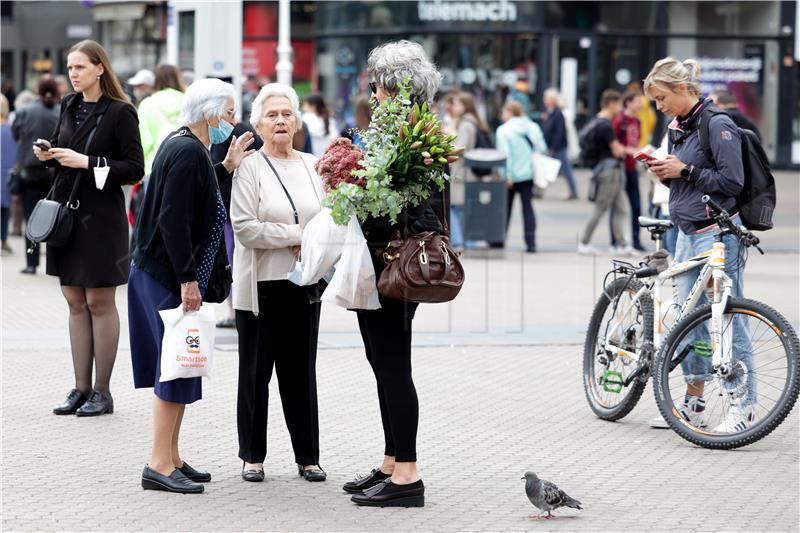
(193,340)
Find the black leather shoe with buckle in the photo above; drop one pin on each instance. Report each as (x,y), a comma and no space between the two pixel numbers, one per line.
(360,483)
(255,475)
(387,494)
(312,474)
(175,482)
(194,475)
(96,405)
(74,400)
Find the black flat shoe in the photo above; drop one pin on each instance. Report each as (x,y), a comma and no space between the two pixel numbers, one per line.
(255,475)
(362,483)
(315,474)
(96,405)
(175,482)
(194,475)
(74,400)
(387,494)
(28,270)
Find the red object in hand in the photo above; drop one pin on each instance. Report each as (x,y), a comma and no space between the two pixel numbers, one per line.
(337,164)
(645,157)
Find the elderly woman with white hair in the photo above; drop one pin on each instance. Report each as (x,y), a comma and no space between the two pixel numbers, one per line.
(386,332)
(179,253)
(274,195)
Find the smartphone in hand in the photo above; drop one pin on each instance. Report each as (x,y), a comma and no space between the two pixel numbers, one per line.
(42,146)
(645,157)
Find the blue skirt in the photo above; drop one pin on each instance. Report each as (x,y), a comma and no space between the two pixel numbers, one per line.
(146,297)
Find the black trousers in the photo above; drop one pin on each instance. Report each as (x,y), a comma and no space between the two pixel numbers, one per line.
(34,188)
(525,191)
(387,340)
(283,335)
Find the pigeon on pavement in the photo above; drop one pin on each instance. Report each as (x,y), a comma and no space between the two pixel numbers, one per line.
(546,496)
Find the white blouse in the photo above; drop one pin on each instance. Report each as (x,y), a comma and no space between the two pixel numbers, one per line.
(263,220)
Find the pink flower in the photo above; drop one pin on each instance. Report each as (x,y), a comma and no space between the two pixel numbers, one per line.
(337,164)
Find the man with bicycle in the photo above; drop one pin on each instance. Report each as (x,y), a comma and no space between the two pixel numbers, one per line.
(674,85)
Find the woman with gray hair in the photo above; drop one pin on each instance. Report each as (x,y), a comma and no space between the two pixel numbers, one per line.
(387,331)
(274,195)
(180,259)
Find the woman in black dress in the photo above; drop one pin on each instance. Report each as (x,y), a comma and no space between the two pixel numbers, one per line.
(97,127)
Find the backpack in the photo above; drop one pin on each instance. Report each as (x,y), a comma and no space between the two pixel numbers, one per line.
(482,140)
(757,197)
(589,149)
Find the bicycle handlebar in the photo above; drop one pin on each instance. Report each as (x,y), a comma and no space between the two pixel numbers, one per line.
(723,218)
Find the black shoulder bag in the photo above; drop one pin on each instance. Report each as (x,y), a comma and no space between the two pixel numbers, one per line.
(51,221)
(315,290)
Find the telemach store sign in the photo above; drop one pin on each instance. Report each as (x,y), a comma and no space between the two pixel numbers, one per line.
(442,10)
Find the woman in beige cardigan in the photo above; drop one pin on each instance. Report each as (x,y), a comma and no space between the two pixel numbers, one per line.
(275,193)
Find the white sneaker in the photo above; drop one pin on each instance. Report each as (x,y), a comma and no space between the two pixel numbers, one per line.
(693,411)
(658,423)
(586,249)
(737,420)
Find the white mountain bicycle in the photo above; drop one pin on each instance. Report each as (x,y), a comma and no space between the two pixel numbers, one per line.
(741,354)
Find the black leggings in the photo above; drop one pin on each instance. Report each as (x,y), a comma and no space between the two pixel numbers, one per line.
(283,335)
(387,340)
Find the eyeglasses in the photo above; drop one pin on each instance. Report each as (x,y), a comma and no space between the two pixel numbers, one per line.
(373,87)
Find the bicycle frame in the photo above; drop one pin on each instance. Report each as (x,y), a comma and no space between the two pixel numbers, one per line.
(713,271)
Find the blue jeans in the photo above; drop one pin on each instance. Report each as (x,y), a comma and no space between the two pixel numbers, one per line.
(566,170)
(457,226)
(632,190)
(698,367)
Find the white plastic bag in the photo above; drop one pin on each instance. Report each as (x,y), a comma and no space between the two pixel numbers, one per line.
(353,285)
(188,344)
(321,248)
(545,169)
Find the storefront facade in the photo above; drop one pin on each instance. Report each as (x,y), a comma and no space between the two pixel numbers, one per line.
(581,47)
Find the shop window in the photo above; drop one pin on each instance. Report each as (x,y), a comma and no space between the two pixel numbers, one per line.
(186,40)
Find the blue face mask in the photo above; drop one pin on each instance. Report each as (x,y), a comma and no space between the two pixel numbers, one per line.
(221,133)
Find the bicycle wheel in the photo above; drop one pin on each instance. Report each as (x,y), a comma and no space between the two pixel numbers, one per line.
(605,373)
(743,403)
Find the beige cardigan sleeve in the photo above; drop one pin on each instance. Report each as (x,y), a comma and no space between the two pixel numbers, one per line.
(247,225)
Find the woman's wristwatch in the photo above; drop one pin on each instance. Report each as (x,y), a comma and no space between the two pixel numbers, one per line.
(689,172)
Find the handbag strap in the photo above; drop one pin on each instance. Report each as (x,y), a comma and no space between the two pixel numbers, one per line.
(72,202)
(285,190)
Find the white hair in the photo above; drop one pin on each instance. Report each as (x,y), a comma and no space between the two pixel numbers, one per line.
(553,93)
(205,99)
(390,64)
(274,89)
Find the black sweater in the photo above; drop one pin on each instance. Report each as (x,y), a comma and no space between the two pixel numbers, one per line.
(178,211)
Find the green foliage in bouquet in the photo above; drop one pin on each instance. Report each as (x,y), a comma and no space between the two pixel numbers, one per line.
(405,154)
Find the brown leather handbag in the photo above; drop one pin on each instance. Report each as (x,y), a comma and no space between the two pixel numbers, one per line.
(421,268)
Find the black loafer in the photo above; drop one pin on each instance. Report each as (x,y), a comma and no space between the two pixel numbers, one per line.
(194,475)
(314,474)
(255,475)
(75,399)
(387,494)
(175,482)
(96,405)
(361,483)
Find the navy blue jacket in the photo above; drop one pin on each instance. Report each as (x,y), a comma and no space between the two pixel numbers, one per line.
(555,131)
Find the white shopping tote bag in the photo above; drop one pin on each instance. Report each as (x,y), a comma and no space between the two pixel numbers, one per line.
(188,344)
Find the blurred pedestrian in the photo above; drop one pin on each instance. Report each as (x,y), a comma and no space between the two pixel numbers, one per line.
(604,153)
(158,113)
(519,137)
(8,147)
(24,98)
(387,331)
(274,195)
(142,83)
(321,124)
(626,127)
(97,127)
(555,135)
(726,101)
(362,115)
(468,126)
(646,115)
(34,121)
(179,249)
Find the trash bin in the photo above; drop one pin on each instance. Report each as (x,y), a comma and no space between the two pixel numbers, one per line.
(485,202)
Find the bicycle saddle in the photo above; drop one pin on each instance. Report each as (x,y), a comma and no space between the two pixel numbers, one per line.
(648,222)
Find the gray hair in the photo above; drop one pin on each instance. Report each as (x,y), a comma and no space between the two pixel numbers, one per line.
(391,63)
(670,72)
(205,99)
(553,93)
(274,89)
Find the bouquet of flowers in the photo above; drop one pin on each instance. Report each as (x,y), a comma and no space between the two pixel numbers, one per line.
(405,154)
